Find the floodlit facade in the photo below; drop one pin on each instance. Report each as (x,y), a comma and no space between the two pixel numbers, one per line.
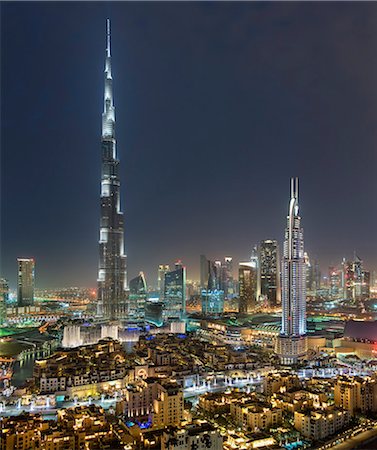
(175,294)
(112,276)
(292,343)
(137,298)
(162,270)
(248,285)
(26,277)
(213,295)
(270,271)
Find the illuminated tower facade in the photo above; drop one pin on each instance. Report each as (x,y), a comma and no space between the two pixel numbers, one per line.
(292,344)
(270,271)
(112,275)
(213,295)
(25,284)
(248,285)
(137,298)
(175,294)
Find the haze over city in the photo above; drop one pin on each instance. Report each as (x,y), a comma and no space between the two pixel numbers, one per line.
(217,107)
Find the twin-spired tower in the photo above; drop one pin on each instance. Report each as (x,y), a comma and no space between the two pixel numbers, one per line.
(112,272)
(292,342)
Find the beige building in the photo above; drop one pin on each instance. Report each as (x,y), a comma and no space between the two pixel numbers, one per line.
(356,394)
(280,382)
(168,407)
(318,425)
(199,435)
(255,416)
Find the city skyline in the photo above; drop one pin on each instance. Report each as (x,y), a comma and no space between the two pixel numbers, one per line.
(252,206)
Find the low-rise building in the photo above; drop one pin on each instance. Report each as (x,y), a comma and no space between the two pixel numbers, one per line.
(280,382)
(356,394)
(318,425)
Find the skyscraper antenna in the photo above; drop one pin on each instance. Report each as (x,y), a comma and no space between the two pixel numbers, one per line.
(108,35)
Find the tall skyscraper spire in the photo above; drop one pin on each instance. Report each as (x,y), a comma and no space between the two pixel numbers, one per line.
(112,278)
(291,345)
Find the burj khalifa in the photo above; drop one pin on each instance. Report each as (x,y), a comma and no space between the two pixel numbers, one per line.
(112,272)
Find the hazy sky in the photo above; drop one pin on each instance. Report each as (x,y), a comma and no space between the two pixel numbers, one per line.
(217,105)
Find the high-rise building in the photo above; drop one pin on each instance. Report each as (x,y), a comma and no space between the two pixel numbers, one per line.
(203,272)
(355,281)
(162,270)
(175,294)
(270,271)
(25,292)
(137,298)
(248,285)
(292,344)
(4,296)
(112,276)
(365,285)
(334,282)
(227,282)
(213,295)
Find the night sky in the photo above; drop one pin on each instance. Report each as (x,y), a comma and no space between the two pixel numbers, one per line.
(217,105)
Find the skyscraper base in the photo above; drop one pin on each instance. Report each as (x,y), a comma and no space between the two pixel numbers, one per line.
(291,349)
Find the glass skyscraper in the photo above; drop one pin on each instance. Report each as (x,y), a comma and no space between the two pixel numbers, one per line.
(175,294)
(213,294)
(137,298)
(248,285)
(112,278)
(25,287)
(270,271)
(292,344)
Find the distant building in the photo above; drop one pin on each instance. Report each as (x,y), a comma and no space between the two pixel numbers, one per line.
(335,280)
(227,281)
(365,285)
(248,286)
(137,298)
(4,298)
(162,270)
(175,294)
(212,296)
(269,267)
(292,343)
(203,272)
(356,281)
(25,291)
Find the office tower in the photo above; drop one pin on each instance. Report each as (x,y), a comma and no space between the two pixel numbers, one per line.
(248,285)
(175,295)
(227,282)
(334,282)
(291,344)
(178,265)
(137,298)
(365,285)
(112,277)
(348,277)
(309,271)
(162,270)
(357,278)
(25,292)
(213,295)
(203,272)
(154,311)
(4,296)
(269,268)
